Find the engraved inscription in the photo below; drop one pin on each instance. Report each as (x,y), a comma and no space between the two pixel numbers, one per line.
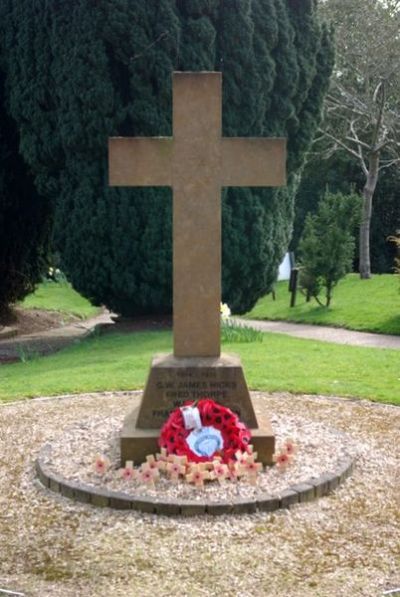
(172,383)
(189,385)
(195,389)
(163,414)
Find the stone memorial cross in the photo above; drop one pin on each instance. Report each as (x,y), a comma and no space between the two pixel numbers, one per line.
(196,162)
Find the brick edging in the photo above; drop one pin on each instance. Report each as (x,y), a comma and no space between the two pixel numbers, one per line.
(309,490)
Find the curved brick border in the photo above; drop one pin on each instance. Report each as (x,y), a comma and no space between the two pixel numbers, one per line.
(311,489)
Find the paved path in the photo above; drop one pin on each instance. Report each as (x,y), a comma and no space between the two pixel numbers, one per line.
(18,348)
(325,333)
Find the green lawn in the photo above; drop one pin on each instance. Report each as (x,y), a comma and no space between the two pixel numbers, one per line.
(368,305)
(59,296)
(278,363)
(121,362)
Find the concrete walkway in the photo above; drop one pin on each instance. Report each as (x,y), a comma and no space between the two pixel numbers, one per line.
(25,347)
(324,333)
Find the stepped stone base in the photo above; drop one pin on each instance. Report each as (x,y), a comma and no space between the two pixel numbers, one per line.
(171,382)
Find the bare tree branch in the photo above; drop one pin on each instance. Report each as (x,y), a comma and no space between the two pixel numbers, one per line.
(145,50)
(343,145)
(355,139)
(389,164)
(379,96)
(382,145)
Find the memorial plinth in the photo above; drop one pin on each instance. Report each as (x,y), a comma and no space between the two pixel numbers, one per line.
(197,162)
(172,381)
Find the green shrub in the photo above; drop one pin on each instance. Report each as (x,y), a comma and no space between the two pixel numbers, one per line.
(232,332)
(328,244)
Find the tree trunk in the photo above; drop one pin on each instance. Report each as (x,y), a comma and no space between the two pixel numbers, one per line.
(328,293)
(367,194)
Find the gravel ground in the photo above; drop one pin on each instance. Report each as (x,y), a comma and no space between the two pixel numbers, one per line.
(319,449)
(345,544)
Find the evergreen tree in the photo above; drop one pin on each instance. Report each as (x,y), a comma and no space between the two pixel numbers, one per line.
(327,245)
(80,72)
(197,48)
(107,76)
(245,236)
(24,220)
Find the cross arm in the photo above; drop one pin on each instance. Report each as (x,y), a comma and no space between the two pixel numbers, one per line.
(140,161)
(253,162)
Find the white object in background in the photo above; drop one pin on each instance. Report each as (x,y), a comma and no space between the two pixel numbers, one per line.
(285,268)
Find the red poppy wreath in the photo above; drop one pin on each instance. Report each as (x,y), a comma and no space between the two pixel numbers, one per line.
(202,430)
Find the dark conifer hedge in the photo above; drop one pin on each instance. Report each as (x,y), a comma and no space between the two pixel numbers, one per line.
(24,220)
(81,71)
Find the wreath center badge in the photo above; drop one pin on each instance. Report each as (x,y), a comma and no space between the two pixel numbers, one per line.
(203,430)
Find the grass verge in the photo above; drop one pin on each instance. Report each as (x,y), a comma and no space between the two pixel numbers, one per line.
(367,305)
(61,297)
(279,363)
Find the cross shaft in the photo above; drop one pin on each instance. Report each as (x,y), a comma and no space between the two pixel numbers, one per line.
(196,162)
